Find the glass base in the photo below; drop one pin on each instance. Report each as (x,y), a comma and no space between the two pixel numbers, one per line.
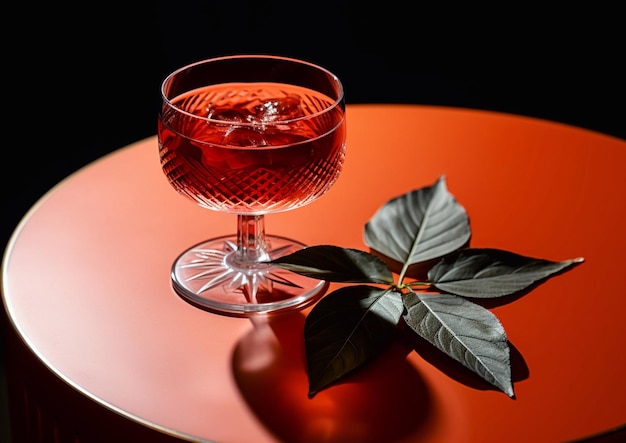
(208,276)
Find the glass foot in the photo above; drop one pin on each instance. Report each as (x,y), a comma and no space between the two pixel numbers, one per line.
(209,277)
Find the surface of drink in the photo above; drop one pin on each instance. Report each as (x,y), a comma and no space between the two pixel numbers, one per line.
(252,148)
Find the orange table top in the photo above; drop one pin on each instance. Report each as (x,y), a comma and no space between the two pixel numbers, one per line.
(86,283)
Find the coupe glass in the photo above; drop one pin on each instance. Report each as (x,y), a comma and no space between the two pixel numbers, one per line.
(249,135)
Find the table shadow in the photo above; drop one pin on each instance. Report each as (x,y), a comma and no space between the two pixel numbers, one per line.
(384,400)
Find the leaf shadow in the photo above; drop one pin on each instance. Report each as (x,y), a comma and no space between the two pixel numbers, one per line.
(454,369)
(384,400)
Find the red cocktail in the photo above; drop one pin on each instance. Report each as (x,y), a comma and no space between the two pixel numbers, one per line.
(252,149)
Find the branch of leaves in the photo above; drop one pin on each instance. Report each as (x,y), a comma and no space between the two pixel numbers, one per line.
(351,325)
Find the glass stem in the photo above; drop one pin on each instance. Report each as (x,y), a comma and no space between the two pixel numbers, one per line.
(251,246)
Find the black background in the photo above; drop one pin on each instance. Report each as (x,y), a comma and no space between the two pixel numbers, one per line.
(83,80)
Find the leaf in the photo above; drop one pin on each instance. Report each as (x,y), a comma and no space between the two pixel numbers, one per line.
(353,324)
(418,226)
(336,264)
(347,328)
(490,273)
(465,331)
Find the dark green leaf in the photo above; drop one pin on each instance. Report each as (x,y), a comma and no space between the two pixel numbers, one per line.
(332,263)
(465,331)
(347,328)
(489,273)
(418,226)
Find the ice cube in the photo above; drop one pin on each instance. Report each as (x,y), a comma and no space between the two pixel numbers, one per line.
(273,109)
(263,117)
(244,137)
(227,114)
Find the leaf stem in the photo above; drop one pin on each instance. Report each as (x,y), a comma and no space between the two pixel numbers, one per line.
(414,284)
(405,267)
(410,287)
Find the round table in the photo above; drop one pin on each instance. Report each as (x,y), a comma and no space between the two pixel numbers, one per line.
(103,348)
